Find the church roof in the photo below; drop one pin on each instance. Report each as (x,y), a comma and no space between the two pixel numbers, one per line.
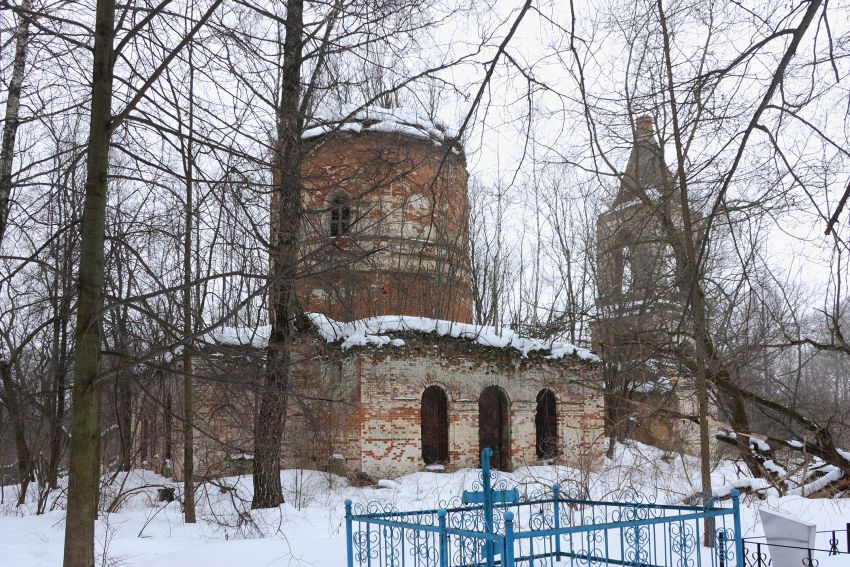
(356,119)
(646,168)
(379,331)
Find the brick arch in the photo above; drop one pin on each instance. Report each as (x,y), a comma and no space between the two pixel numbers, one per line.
(224,420)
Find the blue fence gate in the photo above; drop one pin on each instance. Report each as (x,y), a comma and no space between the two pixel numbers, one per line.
(492,525)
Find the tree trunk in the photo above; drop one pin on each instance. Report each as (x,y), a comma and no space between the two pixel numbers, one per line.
(693,278)
(168,429)
(12,119)
(286,217)
(13,406)
(59,361)
(188,388)
(51,403)
(84,467)
(124,406)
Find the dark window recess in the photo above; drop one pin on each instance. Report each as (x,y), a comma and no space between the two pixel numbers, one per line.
(434,420)
(546,425)
(494,425)
(340,212)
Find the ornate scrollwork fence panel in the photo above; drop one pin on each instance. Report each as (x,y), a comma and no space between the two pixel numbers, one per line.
(498,529)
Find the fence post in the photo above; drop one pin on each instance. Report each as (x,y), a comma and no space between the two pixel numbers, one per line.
(637,545)
(739,542)
(349,547)
(487,488)
(444,538)
(508,553)
(556,496)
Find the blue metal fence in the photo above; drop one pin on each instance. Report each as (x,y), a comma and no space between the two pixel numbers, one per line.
(494,526)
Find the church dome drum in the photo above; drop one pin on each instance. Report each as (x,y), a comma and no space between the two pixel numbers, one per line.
(386,222)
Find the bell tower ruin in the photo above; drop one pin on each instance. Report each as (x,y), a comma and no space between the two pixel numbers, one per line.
(638,332)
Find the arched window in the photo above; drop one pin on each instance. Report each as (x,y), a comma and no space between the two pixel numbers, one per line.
(494,428)
(339,213)
(224,421)
(628,281)
(434,419)
(546,425)
(668,268)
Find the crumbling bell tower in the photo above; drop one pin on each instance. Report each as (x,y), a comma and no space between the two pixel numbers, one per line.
(639,304)
(636,286)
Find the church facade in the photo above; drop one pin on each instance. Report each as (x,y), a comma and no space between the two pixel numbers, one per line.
(425,400)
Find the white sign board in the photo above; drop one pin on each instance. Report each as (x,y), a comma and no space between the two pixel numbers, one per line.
(784,530)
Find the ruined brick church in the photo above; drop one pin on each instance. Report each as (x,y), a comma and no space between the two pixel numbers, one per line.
(391,376)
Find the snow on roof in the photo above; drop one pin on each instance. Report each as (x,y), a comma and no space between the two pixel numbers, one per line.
(239,336)
(376,331)
(352,118)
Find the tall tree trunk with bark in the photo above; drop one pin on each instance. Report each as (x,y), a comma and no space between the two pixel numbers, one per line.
(7,153)
(12,118)
(84,467)
(9,396)
(188,387)
(51,403)
(691,271)
(286,217)
(59,352)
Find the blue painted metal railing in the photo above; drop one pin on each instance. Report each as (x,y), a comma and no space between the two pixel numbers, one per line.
(494,526)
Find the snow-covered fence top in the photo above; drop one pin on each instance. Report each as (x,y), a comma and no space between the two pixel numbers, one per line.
(379,331)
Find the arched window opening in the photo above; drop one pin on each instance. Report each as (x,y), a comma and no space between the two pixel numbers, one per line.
(434,420)
(494,425)
(224,422)
(669,266)
(339,210)
(546,425)
(628,280)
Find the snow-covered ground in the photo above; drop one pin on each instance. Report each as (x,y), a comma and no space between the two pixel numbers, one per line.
(309,529)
